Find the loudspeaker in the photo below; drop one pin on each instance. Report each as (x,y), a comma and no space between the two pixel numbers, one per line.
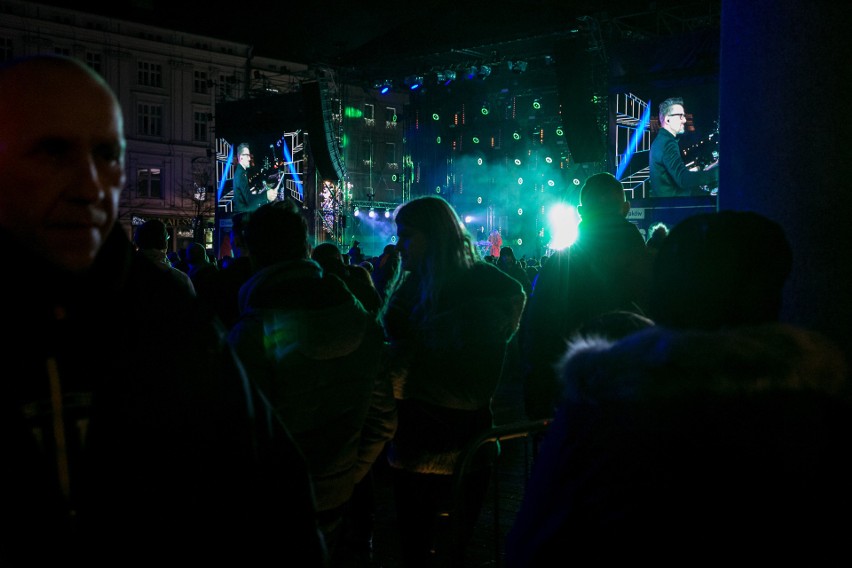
(579,113)
(259,120)
(319,127)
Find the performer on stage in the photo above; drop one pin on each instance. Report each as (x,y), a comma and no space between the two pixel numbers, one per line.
(246,199)
(669,176)
(496,242)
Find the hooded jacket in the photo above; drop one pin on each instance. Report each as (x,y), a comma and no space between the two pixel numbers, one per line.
(673,444)
(445,370)
(314,350)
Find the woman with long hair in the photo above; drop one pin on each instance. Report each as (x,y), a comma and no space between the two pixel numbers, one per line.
(448,319)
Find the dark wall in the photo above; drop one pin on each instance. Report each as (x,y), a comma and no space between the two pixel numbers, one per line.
(784,144)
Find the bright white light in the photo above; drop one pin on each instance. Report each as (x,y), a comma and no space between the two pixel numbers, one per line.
(468,219)
(562,220)
(372,213)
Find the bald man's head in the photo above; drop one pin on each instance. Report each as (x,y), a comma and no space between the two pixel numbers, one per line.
(62,151)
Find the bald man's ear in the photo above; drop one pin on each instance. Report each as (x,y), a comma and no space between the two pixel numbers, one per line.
(625,208)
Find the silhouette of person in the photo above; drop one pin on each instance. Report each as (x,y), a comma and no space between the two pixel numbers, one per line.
(117,449)
(607,268)
(718,419)
(151,239)
(315,352)
(449,320)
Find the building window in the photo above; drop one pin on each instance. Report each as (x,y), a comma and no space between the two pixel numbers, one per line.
(226,86)
(390,117)
(148,183)
(95,62)
(370,114)
(199,83)
(149,119)
(6,49)
(150,74)
(62,51)
(199,133)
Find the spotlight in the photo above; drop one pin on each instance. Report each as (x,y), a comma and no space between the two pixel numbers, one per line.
(383,87)
(414,82)
(372,213)
(471,71)
(449,76)
(484,71)
(517,66)
(387,214)
(356,213)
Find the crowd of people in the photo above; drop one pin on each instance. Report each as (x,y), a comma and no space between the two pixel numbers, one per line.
(683,408)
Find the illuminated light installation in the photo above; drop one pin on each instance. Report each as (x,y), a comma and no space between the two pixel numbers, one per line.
(227,169)
(634,141)
(387,213)
(357,212)
(414,82)
(372,213)
(288,159)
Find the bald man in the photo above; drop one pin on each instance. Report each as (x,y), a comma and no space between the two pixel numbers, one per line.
(117,448)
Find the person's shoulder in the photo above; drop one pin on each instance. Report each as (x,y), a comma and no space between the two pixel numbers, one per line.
(488,274)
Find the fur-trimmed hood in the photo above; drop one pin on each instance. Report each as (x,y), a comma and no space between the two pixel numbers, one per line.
(660,362)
